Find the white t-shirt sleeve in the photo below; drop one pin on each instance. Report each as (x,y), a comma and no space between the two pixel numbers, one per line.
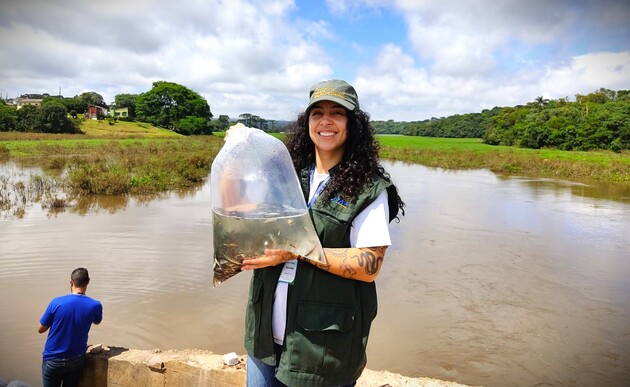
(371,227)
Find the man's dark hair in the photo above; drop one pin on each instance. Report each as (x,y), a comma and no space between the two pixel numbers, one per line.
(80,277)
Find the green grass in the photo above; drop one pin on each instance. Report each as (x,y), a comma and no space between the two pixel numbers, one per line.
(472,144)
(448,153)
(125,129)
(472,153)
(476,145)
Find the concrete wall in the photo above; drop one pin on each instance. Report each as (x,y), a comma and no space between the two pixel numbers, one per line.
(116,366)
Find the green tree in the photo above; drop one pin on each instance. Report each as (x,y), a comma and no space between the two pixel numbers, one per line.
(126,101)
(221,124)
(389,127)
(77,104)
(167,103)
(193,126)
(53,118)
(224,119)
(251,120)
(506,126)
(93,98)
(28,119)
(8,118)
(599,120)
(623,95)
(541,102)
(601,96)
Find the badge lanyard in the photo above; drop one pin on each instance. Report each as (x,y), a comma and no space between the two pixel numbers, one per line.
(320,187)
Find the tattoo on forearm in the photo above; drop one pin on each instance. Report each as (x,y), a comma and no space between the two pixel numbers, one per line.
(323,266)
(370,260)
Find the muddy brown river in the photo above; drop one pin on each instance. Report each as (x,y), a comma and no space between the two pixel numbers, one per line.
(491,280)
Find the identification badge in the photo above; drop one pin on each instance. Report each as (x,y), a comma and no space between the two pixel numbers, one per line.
(288,271)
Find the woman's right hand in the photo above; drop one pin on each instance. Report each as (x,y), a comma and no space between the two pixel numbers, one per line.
(272,257)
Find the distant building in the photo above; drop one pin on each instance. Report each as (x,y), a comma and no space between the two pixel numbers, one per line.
(119,112)
(33,99)
(96,112)
(29,99)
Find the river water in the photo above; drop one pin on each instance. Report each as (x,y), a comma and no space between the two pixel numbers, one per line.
(491,280)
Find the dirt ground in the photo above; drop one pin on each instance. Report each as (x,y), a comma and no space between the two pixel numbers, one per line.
(207,359)
(371,378)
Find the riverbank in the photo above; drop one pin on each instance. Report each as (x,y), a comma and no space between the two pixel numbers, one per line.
(53,152)
(471,153)
(77,167)
(192,367)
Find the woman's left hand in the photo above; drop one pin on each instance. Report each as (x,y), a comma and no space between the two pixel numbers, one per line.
(233,129)
(272,257)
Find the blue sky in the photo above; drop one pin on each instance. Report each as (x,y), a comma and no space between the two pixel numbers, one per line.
(408,59)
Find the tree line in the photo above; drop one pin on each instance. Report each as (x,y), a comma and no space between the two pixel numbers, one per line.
(167,105)
(599,120)
(471,125)
(51,116)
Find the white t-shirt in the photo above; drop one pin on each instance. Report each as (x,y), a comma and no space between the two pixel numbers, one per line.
(369,228)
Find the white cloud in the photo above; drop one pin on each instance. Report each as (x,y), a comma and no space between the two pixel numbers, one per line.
(463,40)
(588,73)
(239,52)
(474,55)
(394,87)
(261,57)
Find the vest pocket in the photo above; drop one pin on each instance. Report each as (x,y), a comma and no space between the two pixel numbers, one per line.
(333,232)
(325,317)
(324,341)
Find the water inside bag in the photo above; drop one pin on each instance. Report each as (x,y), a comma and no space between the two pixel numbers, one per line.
(257,203)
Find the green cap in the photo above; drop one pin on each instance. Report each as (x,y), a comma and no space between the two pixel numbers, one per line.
(334,90)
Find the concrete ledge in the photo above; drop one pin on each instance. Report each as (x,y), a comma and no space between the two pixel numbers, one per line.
(117,366)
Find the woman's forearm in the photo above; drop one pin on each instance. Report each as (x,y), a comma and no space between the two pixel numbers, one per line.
(362,264)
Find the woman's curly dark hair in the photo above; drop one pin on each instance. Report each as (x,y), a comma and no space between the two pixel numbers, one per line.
(360,159)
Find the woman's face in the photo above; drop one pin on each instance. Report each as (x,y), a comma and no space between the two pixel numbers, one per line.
(328,122)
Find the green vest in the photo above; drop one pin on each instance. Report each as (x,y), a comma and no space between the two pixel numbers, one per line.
(328,317)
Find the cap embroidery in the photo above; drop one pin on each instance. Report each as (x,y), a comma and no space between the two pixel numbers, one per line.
(327,91)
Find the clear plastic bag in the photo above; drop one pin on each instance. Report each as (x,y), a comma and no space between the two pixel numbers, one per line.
(257,203)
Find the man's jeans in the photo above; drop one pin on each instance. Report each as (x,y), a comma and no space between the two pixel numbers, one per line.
(66,370)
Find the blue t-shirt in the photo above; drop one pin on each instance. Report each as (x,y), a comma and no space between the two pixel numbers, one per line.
(69,318)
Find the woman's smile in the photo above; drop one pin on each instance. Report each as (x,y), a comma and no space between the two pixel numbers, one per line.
(328,123)
(327,134)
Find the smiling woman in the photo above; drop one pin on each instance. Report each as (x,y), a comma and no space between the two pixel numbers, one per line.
(323,311)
